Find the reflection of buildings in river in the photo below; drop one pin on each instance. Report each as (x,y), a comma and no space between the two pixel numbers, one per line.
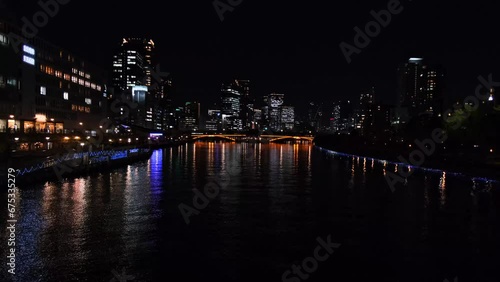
(442,188)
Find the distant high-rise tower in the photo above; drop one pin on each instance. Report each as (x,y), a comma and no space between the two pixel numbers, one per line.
(231,96)
(432,96)
(287,118)
(275,103)
(364,116)
(133,63)
(421,87)
(246,102)
(231,100)
(410,82)
(133,70)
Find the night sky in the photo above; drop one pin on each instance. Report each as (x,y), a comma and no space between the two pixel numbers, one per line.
(291,47)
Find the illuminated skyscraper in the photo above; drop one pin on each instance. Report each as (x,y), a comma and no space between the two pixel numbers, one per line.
(231,100)
(275,103)
(133,66)
(231,97)
(287,118)
(364,115)
(133,63)
(421,87)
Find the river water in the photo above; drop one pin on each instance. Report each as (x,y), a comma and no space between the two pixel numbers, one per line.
(276,204)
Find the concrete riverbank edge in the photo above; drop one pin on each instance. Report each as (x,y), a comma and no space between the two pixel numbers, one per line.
(78,164)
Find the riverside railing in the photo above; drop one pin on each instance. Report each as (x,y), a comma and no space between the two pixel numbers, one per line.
(83,159)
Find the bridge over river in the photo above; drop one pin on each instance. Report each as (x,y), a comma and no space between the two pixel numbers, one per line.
(247,138)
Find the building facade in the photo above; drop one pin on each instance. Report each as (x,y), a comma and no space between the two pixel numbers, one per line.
(44,88)
(134,73)
(421,87)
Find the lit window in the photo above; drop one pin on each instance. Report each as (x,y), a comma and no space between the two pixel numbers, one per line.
(88,101)
(29,50)
(74,70)
(99,88)
(49,70)
(43,90)
(81,82)
(65,95)
(67,77)
(87,84)
(11,81)
(28,60)
(81,73)
(58,74)
(74,79)
(4,39)
(93,86)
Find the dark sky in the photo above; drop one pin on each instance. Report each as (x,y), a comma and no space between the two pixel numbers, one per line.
(290,47)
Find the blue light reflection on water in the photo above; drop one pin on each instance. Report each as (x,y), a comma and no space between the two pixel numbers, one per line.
(396,164)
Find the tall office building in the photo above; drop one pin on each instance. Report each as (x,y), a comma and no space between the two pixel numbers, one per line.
(432,98)
(343,117)
(364,114)
(314,116)
(335,119)
(214,121)
(287,118)
(192,115)
(275,102)
(231,100)
(421,87)
(133,68)
(231,106)
(133,63)
(410,82)
(246,103)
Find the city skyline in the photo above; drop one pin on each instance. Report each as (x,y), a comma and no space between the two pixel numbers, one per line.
(298,54)
(235,140)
